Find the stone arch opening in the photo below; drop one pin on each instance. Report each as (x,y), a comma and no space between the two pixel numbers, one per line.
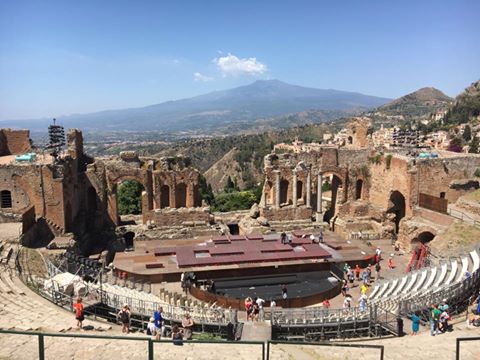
(335,183)
(299,190)
(284,191)
(181,195)
(129,236)
(270,195)
(350,140)
(164,196)
(6,199)
(397,207)
(424,237)
(358,189)
(129,197)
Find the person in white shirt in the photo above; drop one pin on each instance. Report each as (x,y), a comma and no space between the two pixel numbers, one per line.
(260,303)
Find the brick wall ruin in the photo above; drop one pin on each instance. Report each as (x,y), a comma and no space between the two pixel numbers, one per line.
(14,142)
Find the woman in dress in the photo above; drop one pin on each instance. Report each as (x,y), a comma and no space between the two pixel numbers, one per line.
(415,322)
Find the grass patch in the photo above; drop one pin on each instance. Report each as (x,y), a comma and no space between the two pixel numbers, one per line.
(206,336)
(474,195)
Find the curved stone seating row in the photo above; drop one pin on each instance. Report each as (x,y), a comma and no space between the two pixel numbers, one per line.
(388,294)
(145,304)
(23,310)
(416,289)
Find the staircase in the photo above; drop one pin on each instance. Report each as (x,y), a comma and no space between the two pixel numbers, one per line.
(256,331)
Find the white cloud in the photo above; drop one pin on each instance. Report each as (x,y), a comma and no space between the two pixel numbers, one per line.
(232,65)
(200,77)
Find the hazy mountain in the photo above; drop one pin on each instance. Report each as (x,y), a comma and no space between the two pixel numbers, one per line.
(262,99)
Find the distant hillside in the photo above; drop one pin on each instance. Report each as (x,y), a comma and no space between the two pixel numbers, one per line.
(220,112)
(415,106)
(239,157)
(466,107)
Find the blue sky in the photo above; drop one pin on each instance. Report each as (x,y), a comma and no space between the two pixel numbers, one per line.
(63,57)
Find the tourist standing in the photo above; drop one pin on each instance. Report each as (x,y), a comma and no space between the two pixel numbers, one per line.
(357,272)
(79,313)
(377,269)
(344,287)
(320,238)
(124,316)
(326,304)
(434,319)
(249,307)
(391,264)
(345,270)
(363,289)
(365,276)
(362,303)
(158,319)
(415,322)
(284,292)
(187,324)
(260,304)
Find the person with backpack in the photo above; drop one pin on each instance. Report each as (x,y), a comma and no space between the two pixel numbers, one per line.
(79,313)
(124,316)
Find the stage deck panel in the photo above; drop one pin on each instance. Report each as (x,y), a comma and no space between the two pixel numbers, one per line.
(246,251)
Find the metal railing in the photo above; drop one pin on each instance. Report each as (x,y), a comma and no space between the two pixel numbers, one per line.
(150,342)
(327,344)
(95,295)
(457,348)
(460,215)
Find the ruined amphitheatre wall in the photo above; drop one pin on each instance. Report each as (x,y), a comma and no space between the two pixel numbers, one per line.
(453,176)
(14,142)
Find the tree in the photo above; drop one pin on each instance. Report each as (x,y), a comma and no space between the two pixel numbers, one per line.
(474,145)
(455,145)
(130,198)
(206,192)
(467,133)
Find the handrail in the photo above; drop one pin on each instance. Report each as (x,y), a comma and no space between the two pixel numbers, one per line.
(150,341)
(457,348)
(334,344)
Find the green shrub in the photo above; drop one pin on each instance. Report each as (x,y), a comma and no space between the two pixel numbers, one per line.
(232,201)
(130,197)
(477,173)
(388,160)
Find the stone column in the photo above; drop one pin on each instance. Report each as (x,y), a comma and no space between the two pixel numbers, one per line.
(309,189)
(294,188)
(277,189)
(319,192)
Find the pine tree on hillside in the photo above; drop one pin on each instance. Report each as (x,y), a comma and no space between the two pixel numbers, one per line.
(474,146)
(467,133)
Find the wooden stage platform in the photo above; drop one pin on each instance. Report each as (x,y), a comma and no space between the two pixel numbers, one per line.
(235,255)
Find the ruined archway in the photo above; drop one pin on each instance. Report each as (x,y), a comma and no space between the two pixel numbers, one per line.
(299,190)
(358,189)
(425,237)
(396,205)
(164,196)
(129,197)
(350,140)
(284,192)
(335,184)
(181,195)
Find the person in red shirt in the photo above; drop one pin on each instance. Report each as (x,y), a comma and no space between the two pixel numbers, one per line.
(357,272)
(79,313)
